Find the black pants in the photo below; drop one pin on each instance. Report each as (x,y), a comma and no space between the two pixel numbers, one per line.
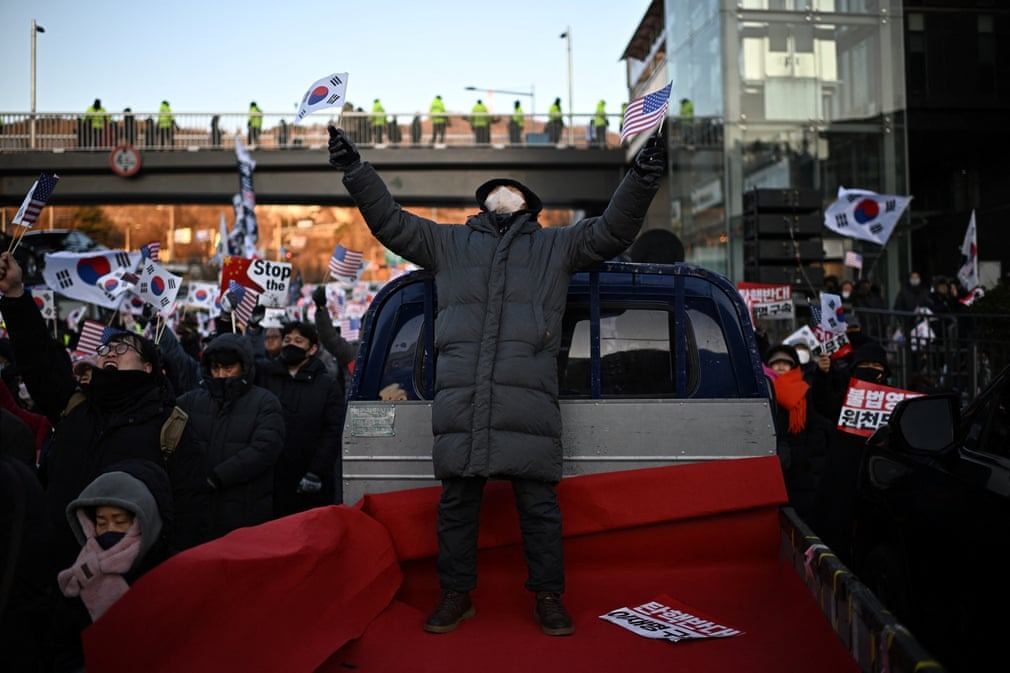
(539,521)
(437,132)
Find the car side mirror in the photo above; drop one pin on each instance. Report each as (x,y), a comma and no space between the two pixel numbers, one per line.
(925,424)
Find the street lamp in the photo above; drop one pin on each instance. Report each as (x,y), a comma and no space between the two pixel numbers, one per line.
(567,35)
(36,28)
(533,101)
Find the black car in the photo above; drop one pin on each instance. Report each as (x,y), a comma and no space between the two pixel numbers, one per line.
(34,245)
(932,531)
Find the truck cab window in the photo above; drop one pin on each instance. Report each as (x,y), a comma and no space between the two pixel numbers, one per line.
(635,350)
(404,349)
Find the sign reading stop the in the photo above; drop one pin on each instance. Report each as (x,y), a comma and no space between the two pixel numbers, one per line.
(273,277)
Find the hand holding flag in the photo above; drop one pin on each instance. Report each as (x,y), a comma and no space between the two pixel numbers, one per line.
(330,91)
(644,113)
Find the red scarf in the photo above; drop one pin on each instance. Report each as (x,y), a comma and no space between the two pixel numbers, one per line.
(791,394)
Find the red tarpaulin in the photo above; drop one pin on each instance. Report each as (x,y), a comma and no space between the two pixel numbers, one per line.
(706,534)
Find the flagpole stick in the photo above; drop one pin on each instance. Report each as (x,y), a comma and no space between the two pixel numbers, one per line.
(869,274)
(16,241)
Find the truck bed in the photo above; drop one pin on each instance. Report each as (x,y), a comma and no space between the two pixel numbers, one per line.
(348,588)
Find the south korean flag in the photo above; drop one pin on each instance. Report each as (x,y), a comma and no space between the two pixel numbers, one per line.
(158,287)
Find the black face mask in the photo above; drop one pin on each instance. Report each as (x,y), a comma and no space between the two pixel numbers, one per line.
(503,220)
(868,374)
(292,355)
(225,389)
(109,539)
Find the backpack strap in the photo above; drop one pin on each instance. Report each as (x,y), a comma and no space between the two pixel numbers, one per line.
(75,401)
(171,432)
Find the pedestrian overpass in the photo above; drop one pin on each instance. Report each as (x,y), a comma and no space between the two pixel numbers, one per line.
(199,167)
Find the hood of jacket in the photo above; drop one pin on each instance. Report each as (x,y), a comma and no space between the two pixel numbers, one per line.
(141,487)
(533,203)
(234,343)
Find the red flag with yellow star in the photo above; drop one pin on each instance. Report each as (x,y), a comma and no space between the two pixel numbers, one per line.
(237,269)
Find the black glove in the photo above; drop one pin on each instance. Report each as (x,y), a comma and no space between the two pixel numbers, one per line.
(310,483)
(650,162)
(229,302)
(344,155)
(256,317)
(319,296)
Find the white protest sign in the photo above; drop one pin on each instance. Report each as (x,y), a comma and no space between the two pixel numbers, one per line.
(868,406)
(667,619)
(274,278)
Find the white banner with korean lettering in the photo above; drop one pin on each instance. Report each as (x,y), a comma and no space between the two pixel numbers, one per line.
(868,406)
(668,619)
(769,302)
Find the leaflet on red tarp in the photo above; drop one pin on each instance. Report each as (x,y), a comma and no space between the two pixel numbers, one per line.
(665,618)
(770,302)
(868,406)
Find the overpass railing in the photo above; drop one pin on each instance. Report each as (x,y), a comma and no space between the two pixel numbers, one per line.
(66,132)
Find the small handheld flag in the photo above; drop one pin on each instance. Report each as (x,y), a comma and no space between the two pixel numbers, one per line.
(36,200)
(345,263)
(324,93)
(91,337)
(645,112)
(151,251)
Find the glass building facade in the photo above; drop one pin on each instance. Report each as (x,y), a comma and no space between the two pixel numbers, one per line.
(785,93)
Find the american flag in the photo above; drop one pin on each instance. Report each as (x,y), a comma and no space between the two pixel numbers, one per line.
(36,200)
(91,337)
(345,263)
(150,251)
(247,301)
(645,112)
(350,328)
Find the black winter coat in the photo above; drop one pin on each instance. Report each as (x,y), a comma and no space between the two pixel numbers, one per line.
(312,402)
(242,429)
(501,298)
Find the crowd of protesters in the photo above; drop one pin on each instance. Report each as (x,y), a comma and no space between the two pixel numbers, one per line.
(112,462)
(820,460)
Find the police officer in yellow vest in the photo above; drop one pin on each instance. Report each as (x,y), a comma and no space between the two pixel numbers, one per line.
(378,121)
(555,122)
(94,123)
(255,124)
(480,122)
(166,125)
(686,121)
(439,120)
(600,122)
(516,124)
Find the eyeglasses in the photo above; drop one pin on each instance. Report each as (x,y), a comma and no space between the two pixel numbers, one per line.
(117,347)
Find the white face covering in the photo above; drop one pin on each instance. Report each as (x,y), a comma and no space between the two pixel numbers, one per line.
(504,199)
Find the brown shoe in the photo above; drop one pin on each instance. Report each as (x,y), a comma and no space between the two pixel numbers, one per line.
(454,607)
(554,620)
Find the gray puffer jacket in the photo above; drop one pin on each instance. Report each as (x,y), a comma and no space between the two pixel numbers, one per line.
(501,298)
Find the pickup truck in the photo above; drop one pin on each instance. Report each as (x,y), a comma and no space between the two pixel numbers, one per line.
(672,490)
